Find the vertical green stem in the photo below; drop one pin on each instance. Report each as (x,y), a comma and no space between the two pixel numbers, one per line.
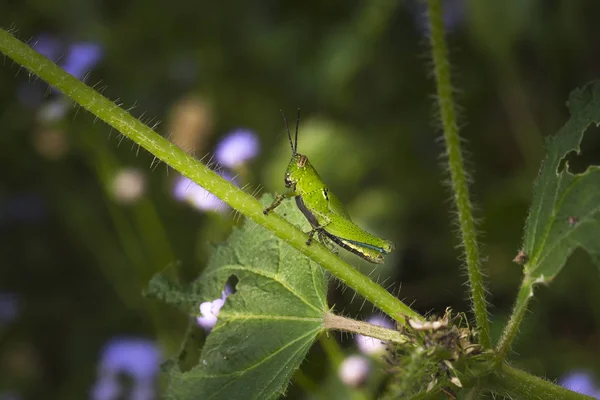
(456,166)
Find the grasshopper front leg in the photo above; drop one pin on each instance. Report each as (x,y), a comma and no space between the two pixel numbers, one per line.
(278,199)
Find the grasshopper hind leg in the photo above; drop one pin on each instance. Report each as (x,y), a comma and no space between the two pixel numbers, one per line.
(319,230)
(324,239)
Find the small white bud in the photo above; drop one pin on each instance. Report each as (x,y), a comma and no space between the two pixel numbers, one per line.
(128,185)
(354,370)
(209,311)
(371,346)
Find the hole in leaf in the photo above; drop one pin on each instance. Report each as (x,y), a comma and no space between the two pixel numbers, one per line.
(231,285)
(589,155)
(192,348)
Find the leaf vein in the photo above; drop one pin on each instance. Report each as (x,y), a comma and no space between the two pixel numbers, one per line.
(257,364)
(568,233)
(236,317)
(556,205)
(273,277)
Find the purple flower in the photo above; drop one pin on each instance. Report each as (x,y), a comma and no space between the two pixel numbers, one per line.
(47,45)
(82,57)
(9,308)
(31,94)
(580,382)
(187,190)
(237,148)
(209,311)
(139,358)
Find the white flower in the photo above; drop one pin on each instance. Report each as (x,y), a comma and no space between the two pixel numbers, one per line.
(371,346)
(128,185)
(354,370)
(210,311)
(53,110)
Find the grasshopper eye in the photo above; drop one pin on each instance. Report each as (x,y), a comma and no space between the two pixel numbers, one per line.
(288,181)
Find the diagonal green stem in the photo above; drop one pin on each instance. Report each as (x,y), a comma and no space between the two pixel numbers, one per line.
(456,166)
(516,384)
(188,166)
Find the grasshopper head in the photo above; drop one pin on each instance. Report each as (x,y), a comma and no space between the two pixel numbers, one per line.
(299,163)
(296,169)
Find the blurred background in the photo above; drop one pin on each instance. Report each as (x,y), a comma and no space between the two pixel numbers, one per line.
(86,218)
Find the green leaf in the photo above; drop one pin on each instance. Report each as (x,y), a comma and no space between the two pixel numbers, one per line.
(565,211)
(266,327)
(162,288)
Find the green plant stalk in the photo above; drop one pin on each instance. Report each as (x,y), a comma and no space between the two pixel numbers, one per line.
(188,166)
(458,176)
(337,322)
(510,330)
(516,384)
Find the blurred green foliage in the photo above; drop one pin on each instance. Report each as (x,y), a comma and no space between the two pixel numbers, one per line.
(76,258)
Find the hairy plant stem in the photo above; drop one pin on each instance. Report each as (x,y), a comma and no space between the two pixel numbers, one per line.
(458,176)
(516,384)
(336,322)
(510,330)
(188,166)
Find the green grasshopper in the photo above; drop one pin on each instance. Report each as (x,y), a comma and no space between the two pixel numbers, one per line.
(325,212)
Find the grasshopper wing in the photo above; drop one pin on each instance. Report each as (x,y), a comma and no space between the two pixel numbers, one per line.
(335,205)
(353,235)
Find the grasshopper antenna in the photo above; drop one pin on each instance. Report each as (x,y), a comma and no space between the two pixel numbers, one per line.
(289,135)
(296,138)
